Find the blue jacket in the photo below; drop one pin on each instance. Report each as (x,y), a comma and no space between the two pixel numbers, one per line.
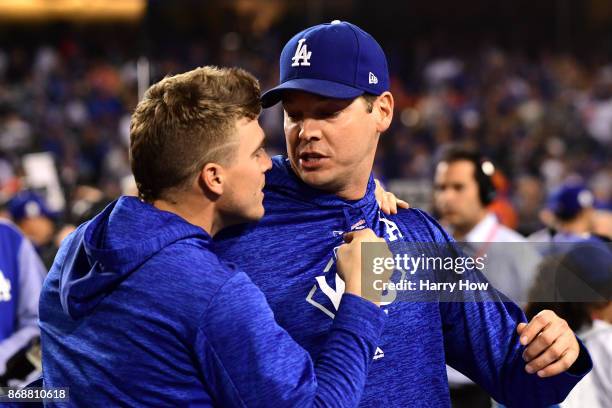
(21,276)
(10,242)
(137,311)
(295,269)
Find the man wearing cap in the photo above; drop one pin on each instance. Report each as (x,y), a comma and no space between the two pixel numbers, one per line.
(572,208)
(34,218)
(334,86)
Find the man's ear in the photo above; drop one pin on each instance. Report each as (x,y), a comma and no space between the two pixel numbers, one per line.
(212,178)
(384,110)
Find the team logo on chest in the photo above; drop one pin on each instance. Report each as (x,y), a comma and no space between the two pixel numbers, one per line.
(5,288)
(334,295)
(392,231)
(302,55)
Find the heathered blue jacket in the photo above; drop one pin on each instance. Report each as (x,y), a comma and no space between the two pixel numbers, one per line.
(295,269)
(137,311)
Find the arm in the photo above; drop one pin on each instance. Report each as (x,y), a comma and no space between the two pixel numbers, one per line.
(482,340)
(249,360)
(31,276)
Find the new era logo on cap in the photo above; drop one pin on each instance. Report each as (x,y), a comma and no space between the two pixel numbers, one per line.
(335,60)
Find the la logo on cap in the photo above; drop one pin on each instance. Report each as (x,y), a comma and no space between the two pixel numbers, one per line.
(301,53)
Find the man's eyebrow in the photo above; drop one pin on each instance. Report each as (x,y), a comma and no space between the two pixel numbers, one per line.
(261,144)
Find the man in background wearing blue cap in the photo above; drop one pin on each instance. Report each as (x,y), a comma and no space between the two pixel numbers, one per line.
(572,207)
(571,212)
(37,222)
(334,86)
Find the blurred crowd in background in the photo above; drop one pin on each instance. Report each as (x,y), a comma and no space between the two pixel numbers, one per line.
(541,114)
(542,120)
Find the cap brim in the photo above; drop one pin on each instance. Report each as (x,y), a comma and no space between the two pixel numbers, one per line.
(320,87)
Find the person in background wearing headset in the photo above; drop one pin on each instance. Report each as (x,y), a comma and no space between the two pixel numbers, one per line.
(463,191)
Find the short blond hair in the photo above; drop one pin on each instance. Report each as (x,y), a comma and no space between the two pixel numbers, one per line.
(186,121)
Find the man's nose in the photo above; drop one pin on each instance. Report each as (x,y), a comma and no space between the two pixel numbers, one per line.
(443,196)
(310,129)
(267,161)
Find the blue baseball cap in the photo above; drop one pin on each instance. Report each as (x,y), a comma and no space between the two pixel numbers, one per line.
(334,60)
(28,204)
(567,201)
(586,272)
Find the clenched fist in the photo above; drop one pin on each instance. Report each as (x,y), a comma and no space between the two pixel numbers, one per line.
(349,259)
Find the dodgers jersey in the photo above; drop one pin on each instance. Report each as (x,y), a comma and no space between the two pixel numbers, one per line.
(289,254)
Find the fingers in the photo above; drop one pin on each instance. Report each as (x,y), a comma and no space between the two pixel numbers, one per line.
(544,340)
(550,354)
(379,193)
(403,204)
(384,205)
(365,234)
(561,365)
(387,201)
(391,202)
(349,236)
(551,344)
(536,325)
(342,252)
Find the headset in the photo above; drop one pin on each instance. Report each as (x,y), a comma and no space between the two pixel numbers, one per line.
(483,170)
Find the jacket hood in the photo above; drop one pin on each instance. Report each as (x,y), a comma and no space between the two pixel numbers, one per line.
(103,252)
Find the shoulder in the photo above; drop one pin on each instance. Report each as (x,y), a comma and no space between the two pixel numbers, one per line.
(9,231)
(509,235)
(419,225)
(414,215)
(183,278)
(191,262)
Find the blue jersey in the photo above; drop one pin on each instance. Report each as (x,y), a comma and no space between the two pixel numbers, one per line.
(21,276)
(289,254)
(10,244)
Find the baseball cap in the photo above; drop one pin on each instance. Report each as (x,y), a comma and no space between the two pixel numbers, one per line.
(586,271)
(567,201)
(335,60)
(28,204)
